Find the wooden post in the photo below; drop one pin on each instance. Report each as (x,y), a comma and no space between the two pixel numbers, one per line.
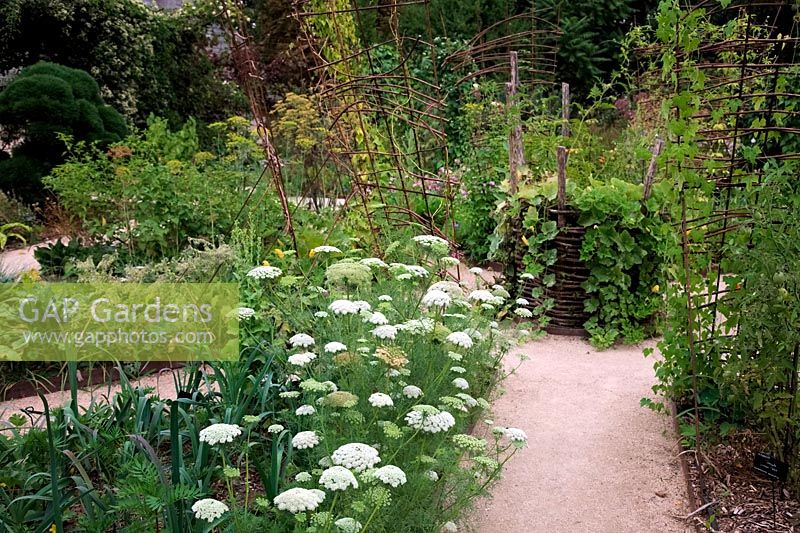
(516,154)
(565,109)
(651,169)
(562,186)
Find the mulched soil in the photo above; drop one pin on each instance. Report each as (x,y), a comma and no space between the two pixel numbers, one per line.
(743,498)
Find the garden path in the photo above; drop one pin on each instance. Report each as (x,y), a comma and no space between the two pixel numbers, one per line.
(596,461)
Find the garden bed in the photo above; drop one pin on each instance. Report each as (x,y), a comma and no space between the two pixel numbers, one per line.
(741,499)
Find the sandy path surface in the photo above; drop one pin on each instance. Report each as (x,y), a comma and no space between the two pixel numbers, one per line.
(596,461)
(162,385)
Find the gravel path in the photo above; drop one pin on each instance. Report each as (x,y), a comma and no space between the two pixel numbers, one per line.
(596,461)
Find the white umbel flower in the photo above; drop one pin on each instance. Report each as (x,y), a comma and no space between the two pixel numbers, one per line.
(460,338)
(275,428)
(326,249)
(377,319)
(384,298)
(449,527)
(338,478)
(299,500)
(373,262)
(343,307)
(303,477)
(430,422)
(264,272)
(301,340)
(391,475)
(412,391)
(301,359)
(348,525)
(436,298)
(385,332)
(209,509)
(522,301)
(516,435)
(219,433)
(305,410)
(476,270)
(522,312)
(305,439)
(321,314)
(243,313)
(380,399)
(482,295)
(432,475)
(356,456)
(430,241)
(461,383)
(335,347)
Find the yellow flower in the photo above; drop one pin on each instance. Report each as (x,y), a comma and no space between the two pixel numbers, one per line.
(655,289)
(265,263)
(524,240)
(53,528)
(311,253)
(279,253)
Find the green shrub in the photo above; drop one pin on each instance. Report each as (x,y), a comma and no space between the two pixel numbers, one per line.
(156,189)
(44,101)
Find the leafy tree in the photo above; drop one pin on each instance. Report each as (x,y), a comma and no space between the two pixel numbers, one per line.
(45,101)
(146,61)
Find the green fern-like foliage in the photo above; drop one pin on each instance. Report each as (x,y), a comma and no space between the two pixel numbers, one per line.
(44,101)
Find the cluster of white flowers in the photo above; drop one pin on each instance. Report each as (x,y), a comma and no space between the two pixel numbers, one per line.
(344,307)
(527,276)
(219,433)
(301,359)
(432,475)
(516,435)
(305,439)
(458,369)
(436,298)
(380,399)
(460,338)
(449,527)
(348,525)
(430,241)
(299,500)
(303,477)
(275,428)
(417,326)
(338,478)
(385,298)
(264,272)
(356,456)
(391,475)
(373,262)
(461,383)
(430,420)
(522,301)
(243,313)
(305,410)
(209,509)
(326,249)
(450,287)
(377,319)
(321,314)
(523,313)
(301,340)
(409,271)
(476,270)
(449,261)
(412,391)
(335,347)
(385,332)
(485,297)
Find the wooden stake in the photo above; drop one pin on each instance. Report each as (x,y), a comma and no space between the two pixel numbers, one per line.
(565,109)
(651,169)
(562,186)
(516,153)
